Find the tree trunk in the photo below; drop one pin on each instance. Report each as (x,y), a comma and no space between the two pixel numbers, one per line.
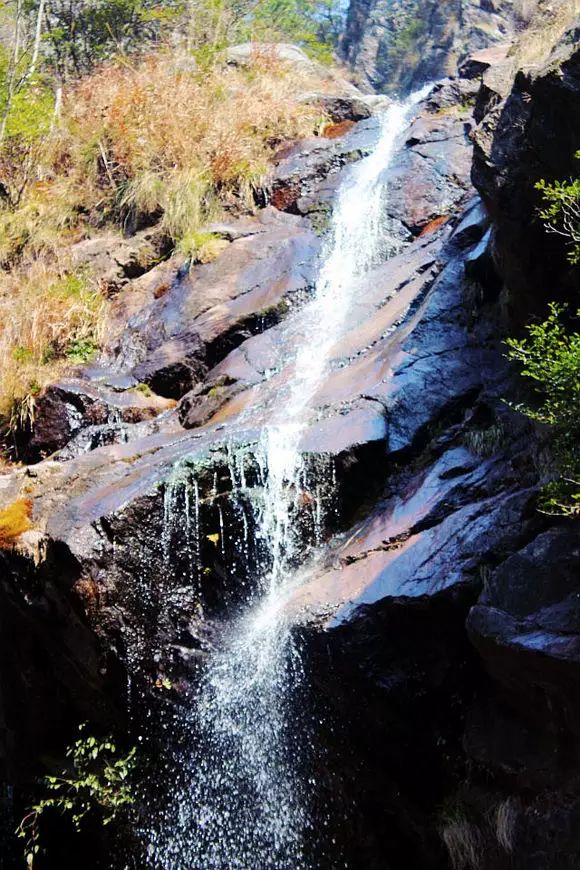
(37,38)
(12,69)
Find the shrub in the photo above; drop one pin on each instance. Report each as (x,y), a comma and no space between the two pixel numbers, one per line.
(97,783)
(550,358)
(14,521)
(158,138)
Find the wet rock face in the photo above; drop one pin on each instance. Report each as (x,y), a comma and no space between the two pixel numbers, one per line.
(393,687)
(52,673)
(501,783)
(188,320)
(427,180)
(108,506)
(398,46)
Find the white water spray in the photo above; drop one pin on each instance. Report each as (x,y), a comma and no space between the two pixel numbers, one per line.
(243,801)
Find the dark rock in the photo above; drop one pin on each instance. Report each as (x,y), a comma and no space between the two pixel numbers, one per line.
(67,407)
(57,673)
(527,629)
(341,108)
(516,146)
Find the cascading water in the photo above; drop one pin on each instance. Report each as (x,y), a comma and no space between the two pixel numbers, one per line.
(241,801)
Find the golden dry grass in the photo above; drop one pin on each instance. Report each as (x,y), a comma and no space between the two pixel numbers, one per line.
(159,138)
(50,318)
(464,844)
(545,22)
(14,521)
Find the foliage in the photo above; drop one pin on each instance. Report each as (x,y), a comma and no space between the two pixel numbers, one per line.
(82,33)
(78,35)
(14,521)
(561,212)
(550,358)
(98,782)
(408,35)
(315,25)
(202,247)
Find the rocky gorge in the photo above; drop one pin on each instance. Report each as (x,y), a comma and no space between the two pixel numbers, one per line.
(436,613)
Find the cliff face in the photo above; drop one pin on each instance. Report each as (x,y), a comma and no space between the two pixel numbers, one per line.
(486,747)
(529,129)
(398,45)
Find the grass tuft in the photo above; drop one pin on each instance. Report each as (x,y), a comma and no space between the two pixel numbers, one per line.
(14,521)
(50,318)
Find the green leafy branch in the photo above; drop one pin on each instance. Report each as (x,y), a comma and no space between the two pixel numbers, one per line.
(550,358)
(561,212)
(98,781)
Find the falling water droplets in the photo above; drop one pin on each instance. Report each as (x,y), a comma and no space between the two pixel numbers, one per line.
(241,795)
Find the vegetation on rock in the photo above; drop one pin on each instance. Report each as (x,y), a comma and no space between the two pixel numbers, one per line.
(14,521)
(561,212)
(96,783)
(50,318)
(550,358)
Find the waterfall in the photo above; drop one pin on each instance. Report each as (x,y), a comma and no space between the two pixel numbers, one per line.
(241,799)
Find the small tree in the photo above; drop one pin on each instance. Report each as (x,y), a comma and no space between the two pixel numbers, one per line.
(97,783)
(550,358)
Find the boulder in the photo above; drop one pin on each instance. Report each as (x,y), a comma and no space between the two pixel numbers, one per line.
(65,408)
(114,261)
(246,52)
(341,108)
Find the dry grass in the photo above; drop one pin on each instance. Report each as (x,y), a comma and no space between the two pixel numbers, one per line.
(161,138)
(545,22)
(156,140)
(481,833)
(506,816)
(50,318)
(14,521)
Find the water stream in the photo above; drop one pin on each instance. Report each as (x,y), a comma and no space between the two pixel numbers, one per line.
(241,799)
